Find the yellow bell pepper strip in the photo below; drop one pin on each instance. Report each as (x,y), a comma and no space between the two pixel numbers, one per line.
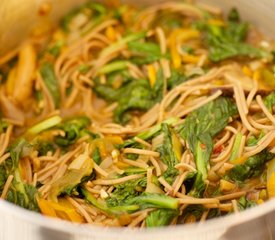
(152,75)
(180,35)
(63,209)
(271,178)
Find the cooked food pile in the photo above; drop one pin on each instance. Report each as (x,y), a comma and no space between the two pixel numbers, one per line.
(139,117)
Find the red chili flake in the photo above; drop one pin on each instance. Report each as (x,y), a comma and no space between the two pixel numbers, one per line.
(218,149)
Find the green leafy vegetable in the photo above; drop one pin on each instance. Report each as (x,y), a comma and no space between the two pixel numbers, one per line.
(43,147)
(243,203)
(113,66)
(236,147)
(73,129)
(133,95)
(145,52)
(44,125)
(19,192)
(90,9)
(253,167)
(124,192)
(269,101)
(18,149)
(175,79)
(96,156)
(55,49)
(49,78)
(22,194)
(161,217)
(253,140)
(116,210)
(138,96)
(154,200)
(148,134)
(229,41)
(170,152)
(121,42)
(200,127)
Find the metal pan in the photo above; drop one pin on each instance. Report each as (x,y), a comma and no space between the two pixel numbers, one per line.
(18,18)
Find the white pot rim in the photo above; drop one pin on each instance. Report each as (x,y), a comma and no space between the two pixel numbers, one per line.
(87,230)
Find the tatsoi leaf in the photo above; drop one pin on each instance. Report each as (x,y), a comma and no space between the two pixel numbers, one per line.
(19,193)
(253,140)
(160,217)
(96,156)
(229,41)
(175,79)
(17,150)
(148,200)
(170,151)
(137,96)
(167,150)
(43,147)
(72,128)
(253,167)
(200,127)
(269,101)
(23,195)
(94,10)
(55,49)
(116,210)
(147,52)
(49,78)
(170,175)
(126,191)
(243,203)
(148,134)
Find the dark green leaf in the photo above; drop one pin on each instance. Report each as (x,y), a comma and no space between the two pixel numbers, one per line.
(229,41)
(161,217)
(243,203)
(154,200)
(96,156)
(269,101)
(124,192)
(253,167)
(49,78)
(72,129)
(200,127)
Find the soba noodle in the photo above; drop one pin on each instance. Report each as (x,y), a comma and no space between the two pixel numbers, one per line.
(139,117)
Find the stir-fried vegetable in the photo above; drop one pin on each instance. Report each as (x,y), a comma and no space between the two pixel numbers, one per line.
(19,192)
(253,167)
(229,41)
(139,118)
(49,78)
(199,128)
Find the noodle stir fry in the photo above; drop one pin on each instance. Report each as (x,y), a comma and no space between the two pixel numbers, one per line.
(139,117)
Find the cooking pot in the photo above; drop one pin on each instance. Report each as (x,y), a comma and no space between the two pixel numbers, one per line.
(19,18)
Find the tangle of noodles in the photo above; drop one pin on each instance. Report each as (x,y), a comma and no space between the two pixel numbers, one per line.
(139,117)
